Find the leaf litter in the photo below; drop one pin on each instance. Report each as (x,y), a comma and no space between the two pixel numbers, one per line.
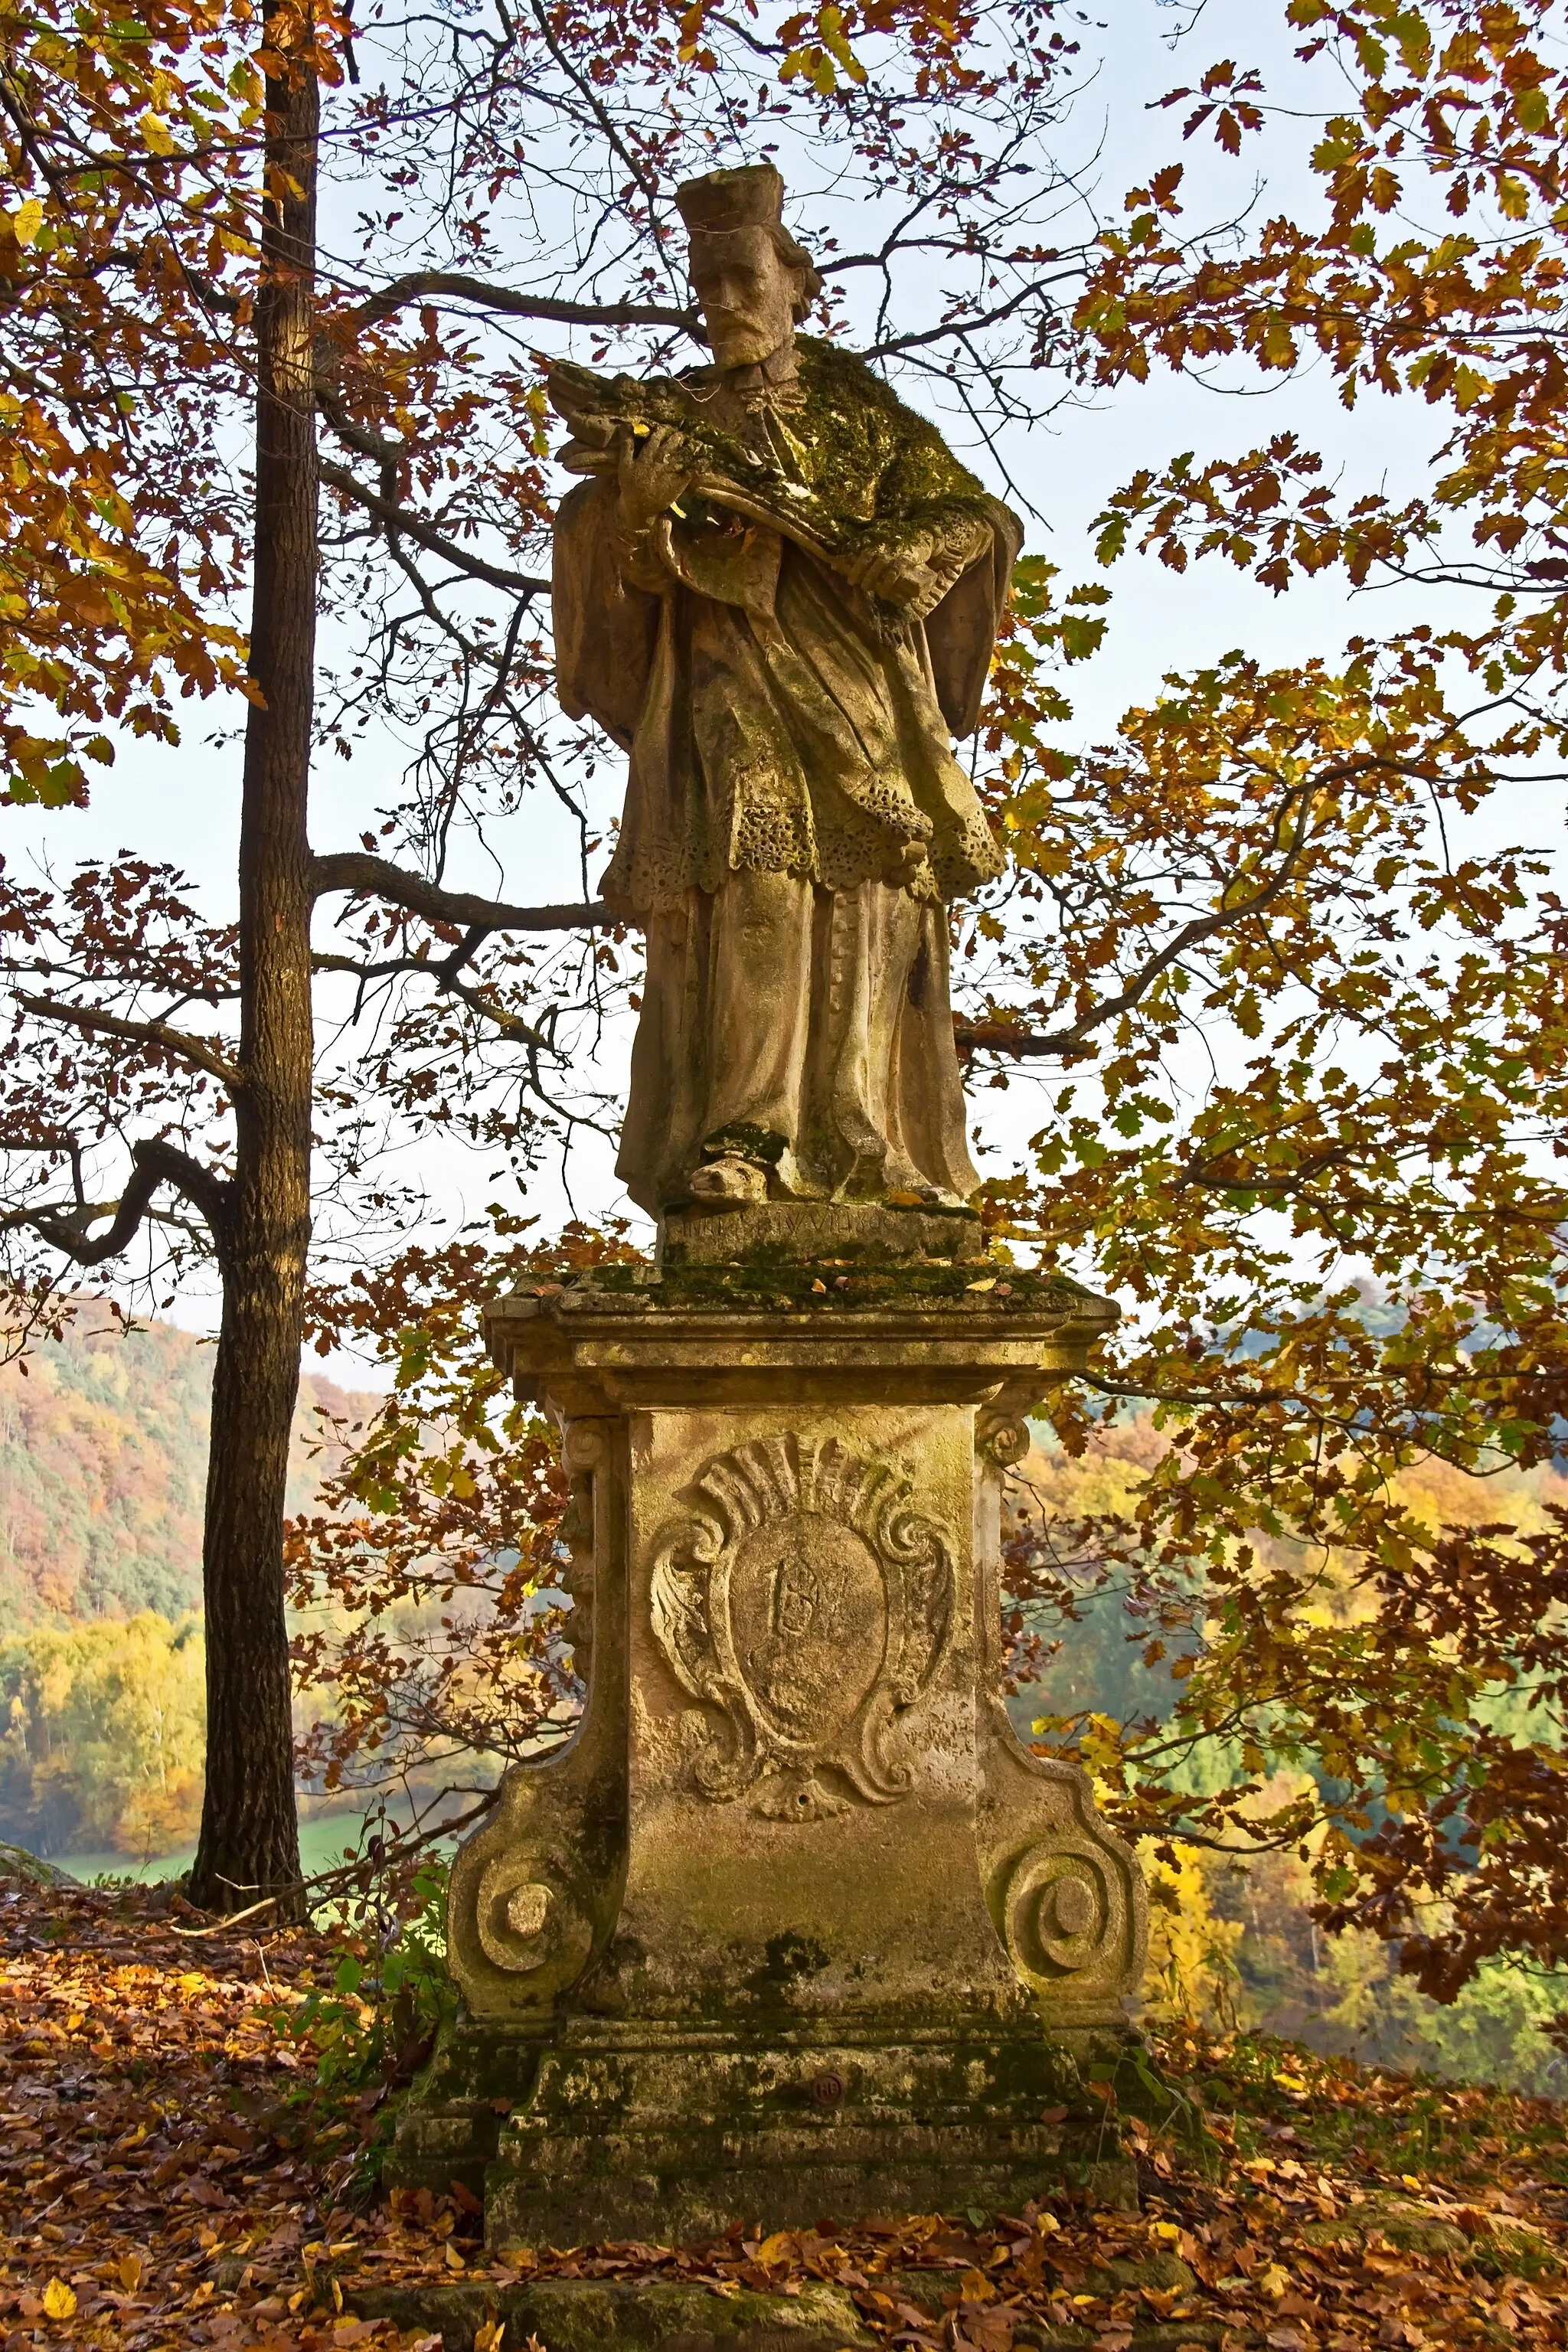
(173,2174)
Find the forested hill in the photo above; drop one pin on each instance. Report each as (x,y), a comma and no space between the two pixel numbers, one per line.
(103,1442)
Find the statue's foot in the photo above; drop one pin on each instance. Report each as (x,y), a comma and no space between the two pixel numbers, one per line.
(937,1196)
(897,1183)
(920,1196)
(788,1181)
(729,1182)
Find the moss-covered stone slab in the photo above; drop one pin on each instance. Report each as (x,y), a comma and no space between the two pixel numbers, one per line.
(605,2316)
(1491,2241)
(1164,2273)
(667,2316)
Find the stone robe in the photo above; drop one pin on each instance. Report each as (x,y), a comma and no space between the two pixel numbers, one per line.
(795,822)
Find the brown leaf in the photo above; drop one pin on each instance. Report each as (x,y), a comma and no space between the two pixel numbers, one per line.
(988,2331)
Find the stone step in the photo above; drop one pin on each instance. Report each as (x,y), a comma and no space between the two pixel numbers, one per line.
(671,2315)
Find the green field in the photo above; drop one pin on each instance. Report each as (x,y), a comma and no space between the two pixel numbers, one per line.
(321,1843)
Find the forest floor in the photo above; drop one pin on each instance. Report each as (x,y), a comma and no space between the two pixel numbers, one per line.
(175,2173)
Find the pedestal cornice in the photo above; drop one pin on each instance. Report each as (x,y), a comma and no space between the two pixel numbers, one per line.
(618,1337)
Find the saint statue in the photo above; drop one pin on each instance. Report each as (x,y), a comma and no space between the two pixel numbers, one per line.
(779,591)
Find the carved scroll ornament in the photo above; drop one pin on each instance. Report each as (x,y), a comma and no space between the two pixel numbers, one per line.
(808,1604)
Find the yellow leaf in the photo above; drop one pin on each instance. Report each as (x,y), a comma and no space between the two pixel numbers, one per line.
(26,221)
(454,2259)
(1278,344)
(59,2299)
(156,134)
(129,2270)
(988,1284)
(776,2249)
(1273,2278)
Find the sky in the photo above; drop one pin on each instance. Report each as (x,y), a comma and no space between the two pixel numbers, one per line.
(182,805)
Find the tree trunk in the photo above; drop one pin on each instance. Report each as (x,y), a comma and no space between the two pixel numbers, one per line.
(250,1844)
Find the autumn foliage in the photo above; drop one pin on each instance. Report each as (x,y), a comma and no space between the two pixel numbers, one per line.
(130,148)
(1291,965)
(1303,979)
(191,2120)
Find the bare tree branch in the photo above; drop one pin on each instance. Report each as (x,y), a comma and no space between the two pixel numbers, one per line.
(369,877)
(422,286)
(401,518)
(196,1051)
(964,327)
(151,1163)
(444,976)
(1001,1037)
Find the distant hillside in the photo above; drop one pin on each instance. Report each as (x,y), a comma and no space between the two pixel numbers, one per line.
(103,1444)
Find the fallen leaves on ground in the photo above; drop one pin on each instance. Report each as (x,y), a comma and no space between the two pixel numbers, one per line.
(171,2176)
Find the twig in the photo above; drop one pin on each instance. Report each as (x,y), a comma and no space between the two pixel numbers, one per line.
(230,1919)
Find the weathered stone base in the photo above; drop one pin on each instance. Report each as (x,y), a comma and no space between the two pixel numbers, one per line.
(448,2127)
(605,2315)
(668,2137)
(797,1232)
(674,2207)
(595,2316)
(671,2137)
(793,1927)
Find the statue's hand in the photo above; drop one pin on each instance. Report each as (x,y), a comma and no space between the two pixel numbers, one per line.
(899,573)
(652,473)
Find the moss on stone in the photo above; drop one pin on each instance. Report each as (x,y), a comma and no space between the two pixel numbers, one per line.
(587,2316)
(771,1279)
(1499,2245)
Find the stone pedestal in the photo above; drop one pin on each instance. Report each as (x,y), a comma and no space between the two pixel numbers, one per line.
(794,1926)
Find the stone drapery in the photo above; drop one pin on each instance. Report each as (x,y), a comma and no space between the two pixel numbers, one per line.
(795,821)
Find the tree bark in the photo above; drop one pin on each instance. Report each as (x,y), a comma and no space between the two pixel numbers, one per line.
(249,1843)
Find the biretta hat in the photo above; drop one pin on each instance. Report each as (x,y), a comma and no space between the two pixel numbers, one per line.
(750,196)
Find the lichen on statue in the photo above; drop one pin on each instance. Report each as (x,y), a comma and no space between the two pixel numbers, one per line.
(779,591)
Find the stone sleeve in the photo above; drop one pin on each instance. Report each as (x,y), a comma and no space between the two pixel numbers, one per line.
(606,626)
(960,631)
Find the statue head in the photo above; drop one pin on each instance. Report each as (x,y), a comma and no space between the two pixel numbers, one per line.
(753,282)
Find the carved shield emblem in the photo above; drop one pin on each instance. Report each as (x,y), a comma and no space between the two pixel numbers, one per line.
(808,1602)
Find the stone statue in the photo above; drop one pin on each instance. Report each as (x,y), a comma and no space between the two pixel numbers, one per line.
(792,1923)
(779,591)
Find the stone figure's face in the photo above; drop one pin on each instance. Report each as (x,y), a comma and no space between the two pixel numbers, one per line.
(747,293)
